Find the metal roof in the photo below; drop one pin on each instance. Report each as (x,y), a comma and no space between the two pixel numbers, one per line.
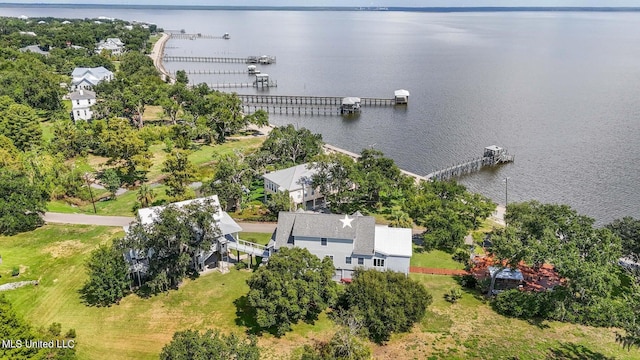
(225,222)
(393,241)
(506,273)
(401,92)
(291,178)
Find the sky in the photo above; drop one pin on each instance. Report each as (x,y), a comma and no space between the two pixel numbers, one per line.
(396,3)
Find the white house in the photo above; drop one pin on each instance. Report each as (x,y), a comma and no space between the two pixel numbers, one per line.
(297,180)
(81,102)
(350,241)
(87,78)
(114,45)
(229,230)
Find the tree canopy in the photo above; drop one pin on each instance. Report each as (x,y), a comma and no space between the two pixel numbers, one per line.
(387,302)
(23,203)
(585,256)
(210,345)
(174,240)
(108,277)
(294,285)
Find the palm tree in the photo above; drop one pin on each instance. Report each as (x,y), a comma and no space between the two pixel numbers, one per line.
(145,195)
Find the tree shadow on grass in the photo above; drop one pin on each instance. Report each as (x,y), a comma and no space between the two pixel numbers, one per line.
(473,291)
(571,351)
(245,316)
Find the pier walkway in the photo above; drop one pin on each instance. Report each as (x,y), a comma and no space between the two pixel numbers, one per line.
(310,100)
(493,155)
(218,59)
(181,36)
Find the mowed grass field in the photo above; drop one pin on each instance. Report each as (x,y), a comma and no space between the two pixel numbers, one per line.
(138,328)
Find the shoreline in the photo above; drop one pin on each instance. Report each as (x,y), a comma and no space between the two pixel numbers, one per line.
(156,55)
(497,216)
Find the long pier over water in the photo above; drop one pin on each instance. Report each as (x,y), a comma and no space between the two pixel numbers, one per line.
(219,59)
(310,100)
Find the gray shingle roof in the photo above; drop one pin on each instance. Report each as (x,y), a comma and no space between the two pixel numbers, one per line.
(82,95)
(361,231)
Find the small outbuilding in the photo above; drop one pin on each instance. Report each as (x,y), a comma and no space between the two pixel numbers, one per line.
(401,96)
(350,105)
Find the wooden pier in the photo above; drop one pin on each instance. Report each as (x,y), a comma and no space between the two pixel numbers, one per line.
(309,100)
(493,155)
(291,110)
(181,36)
(271,83)
(216,72)
(218,59)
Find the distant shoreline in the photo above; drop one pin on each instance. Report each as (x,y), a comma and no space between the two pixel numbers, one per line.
(321,8)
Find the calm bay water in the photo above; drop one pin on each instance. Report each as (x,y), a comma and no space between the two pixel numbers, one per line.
(559,90)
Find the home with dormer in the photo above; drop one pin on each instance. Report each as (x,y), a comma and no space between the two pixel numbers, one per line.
(351,241)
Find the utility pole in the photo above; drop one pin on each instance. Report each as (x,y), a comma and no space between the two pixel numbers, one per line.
(86,178)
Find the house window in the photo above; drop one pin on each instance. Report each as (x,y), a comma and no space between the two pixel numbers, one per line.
(77,102)
(348,260)
(378,262)
(323,241)
(360,261)
(330,257)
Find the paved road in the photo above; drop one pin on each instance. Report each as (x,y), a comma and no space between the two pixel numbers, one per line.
(83,219)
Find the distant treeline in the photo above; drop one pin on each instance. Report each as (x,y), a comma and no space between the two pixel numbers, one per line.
(328,8)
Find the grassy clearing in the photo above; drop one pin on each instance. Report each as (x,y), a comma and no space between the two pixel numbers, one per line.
(434,259)
(258,238)
(138,328)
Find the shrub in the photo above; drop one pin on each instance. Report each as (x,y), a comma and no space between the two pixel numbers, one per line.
(15,271)
(453,295)
(387,302)
(469,281)
(462,256)
(523,304)
(71,334)
(241,265)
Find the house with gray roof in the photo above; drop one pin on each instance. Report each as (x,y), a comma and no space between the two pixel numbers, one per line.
(350,241)
(296,180)
(87,78)
(81,103)
(34,49)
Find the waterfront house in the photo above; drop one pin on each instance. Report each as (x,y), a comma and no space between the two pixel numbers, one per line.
(351,242)
(113,45)
(81,102)
(212,257)
(296,180)
(87,78)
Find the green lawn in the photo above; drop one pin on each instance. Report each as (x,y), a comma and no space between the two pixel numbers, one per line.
(434,259)
(138,328)
(258,238)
